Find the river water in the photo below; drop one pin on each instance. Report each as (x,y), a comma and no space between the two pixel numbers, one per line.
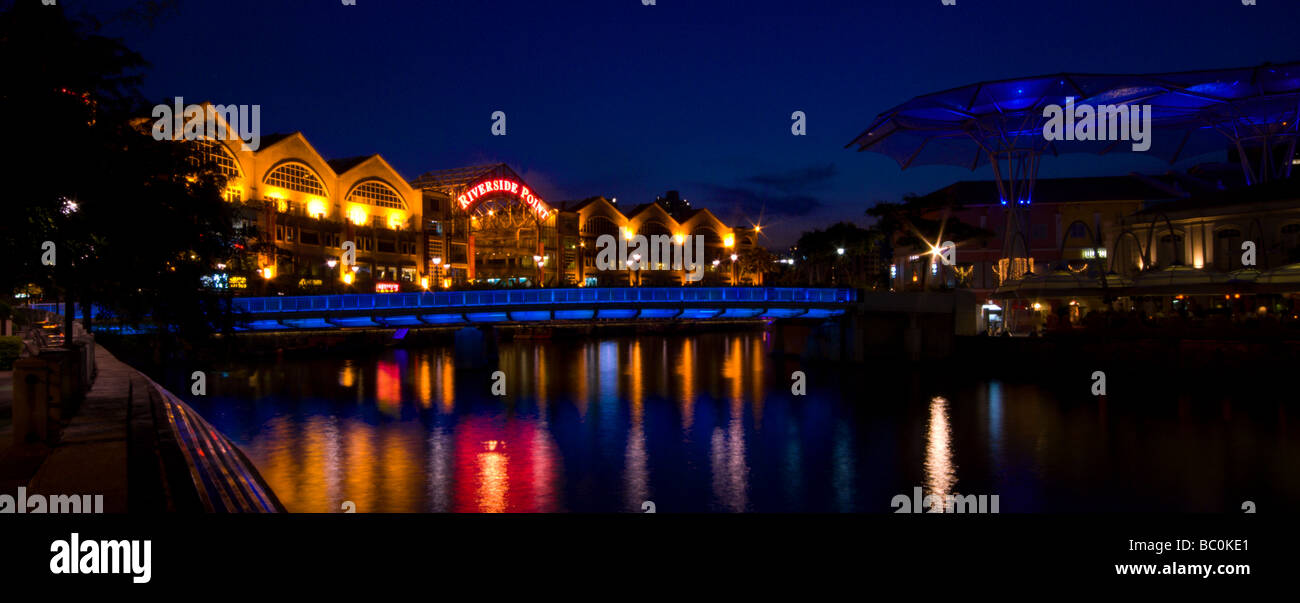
(709,423)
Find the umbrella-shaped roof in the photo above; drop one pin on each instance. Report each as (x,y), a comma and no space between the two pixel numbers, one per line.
(1194,110)
(1179,279)
(1057,283)
(1282,279)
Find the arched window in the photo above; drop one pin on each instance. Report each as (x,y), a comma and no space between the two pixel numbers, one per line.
(1291,242)
(1227,249)
(1170,251)
(377,193)
(652,227)
(211,153)
(599,225)
(296,177)
(1127,256)
(711,237)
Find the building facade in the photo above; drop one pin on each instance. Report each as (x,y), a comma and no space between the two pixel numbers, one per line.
(297,210)
(1070,220)
(481,226)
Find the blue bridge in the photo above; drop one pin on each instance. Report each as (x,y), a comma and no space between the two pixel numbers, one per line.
(382,310)
(450,308)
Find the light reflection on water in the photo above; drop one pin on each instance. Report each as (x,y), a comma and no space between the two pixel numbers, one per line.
(940,474)
(707,423)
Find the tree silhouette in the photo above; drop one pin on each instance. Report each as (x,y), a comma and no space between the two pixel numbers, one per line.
(135,221)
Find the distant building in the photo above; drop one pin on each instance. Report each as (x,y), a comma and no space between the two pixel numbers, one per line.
(486,225)
(1067,219)
(477,225)
(296,209)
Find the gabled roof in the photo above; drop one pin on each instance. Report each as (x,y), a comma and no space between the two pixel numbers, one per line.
(271,139)
(585,202)
(653,208)
(343,165)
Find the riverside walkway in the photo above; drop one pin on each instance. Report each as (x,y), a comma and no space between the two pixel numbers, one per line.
(138,446)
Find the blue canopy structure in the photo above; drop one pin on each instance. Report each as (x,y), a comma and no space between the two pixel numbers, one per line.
(1001,124)
(1192,112)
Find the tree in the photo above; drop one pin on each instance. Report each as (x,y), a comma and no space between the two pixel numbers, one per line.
(818,260)
(923,223)
(757,261)
(135,221)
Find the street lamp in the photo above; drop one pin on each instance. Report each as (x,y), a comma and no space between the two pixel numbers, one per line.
(437,266)
(636,258)
(733,270)
(537,259)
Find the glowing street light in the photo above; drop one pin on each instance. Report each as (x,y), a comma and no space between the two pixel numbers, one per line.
(840,251)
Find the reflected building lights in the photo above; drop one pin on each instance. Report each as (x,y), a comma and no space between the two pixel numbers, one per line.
(940,474)
(388,387)
(446,382)
(424,381)
(493,481)
(686,377)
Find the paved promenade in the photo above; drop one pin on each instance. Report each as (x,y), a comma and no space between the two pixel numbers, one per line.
(123,442)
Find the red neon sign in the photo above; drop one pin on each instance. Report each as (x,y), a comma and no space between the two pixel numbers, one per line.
(503,185)
(386,287)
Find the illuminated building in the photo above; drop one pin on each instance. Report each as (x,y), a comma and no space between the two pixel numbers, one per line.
(474,225)
(296,210)
(487,225)
(1062,224)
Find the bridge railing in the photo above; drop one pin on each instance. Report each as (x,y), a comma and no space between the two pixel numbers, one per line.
(590,295)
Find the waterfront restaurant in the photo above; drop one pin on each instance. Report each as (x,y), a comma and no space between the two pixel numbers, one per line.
(476,226)
(1216,258)
(296,208)
(1171,254)
(485,224)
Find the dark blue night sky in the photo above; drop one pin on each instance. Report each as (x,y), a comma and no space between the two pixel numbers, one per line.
(614,98)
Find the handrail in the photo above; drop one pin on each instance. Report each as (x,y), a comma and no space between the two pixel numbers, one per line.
(223,477)
(590,295)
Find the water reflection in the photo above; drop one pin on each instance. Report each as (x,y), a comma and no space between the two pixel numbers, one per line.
(940,473)
(707,423)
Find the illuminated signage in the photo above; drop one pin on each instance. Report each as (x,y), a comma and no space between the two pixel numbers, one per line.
(238,282)
(216,281)
(386,287)
(503,185)
(309,282)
